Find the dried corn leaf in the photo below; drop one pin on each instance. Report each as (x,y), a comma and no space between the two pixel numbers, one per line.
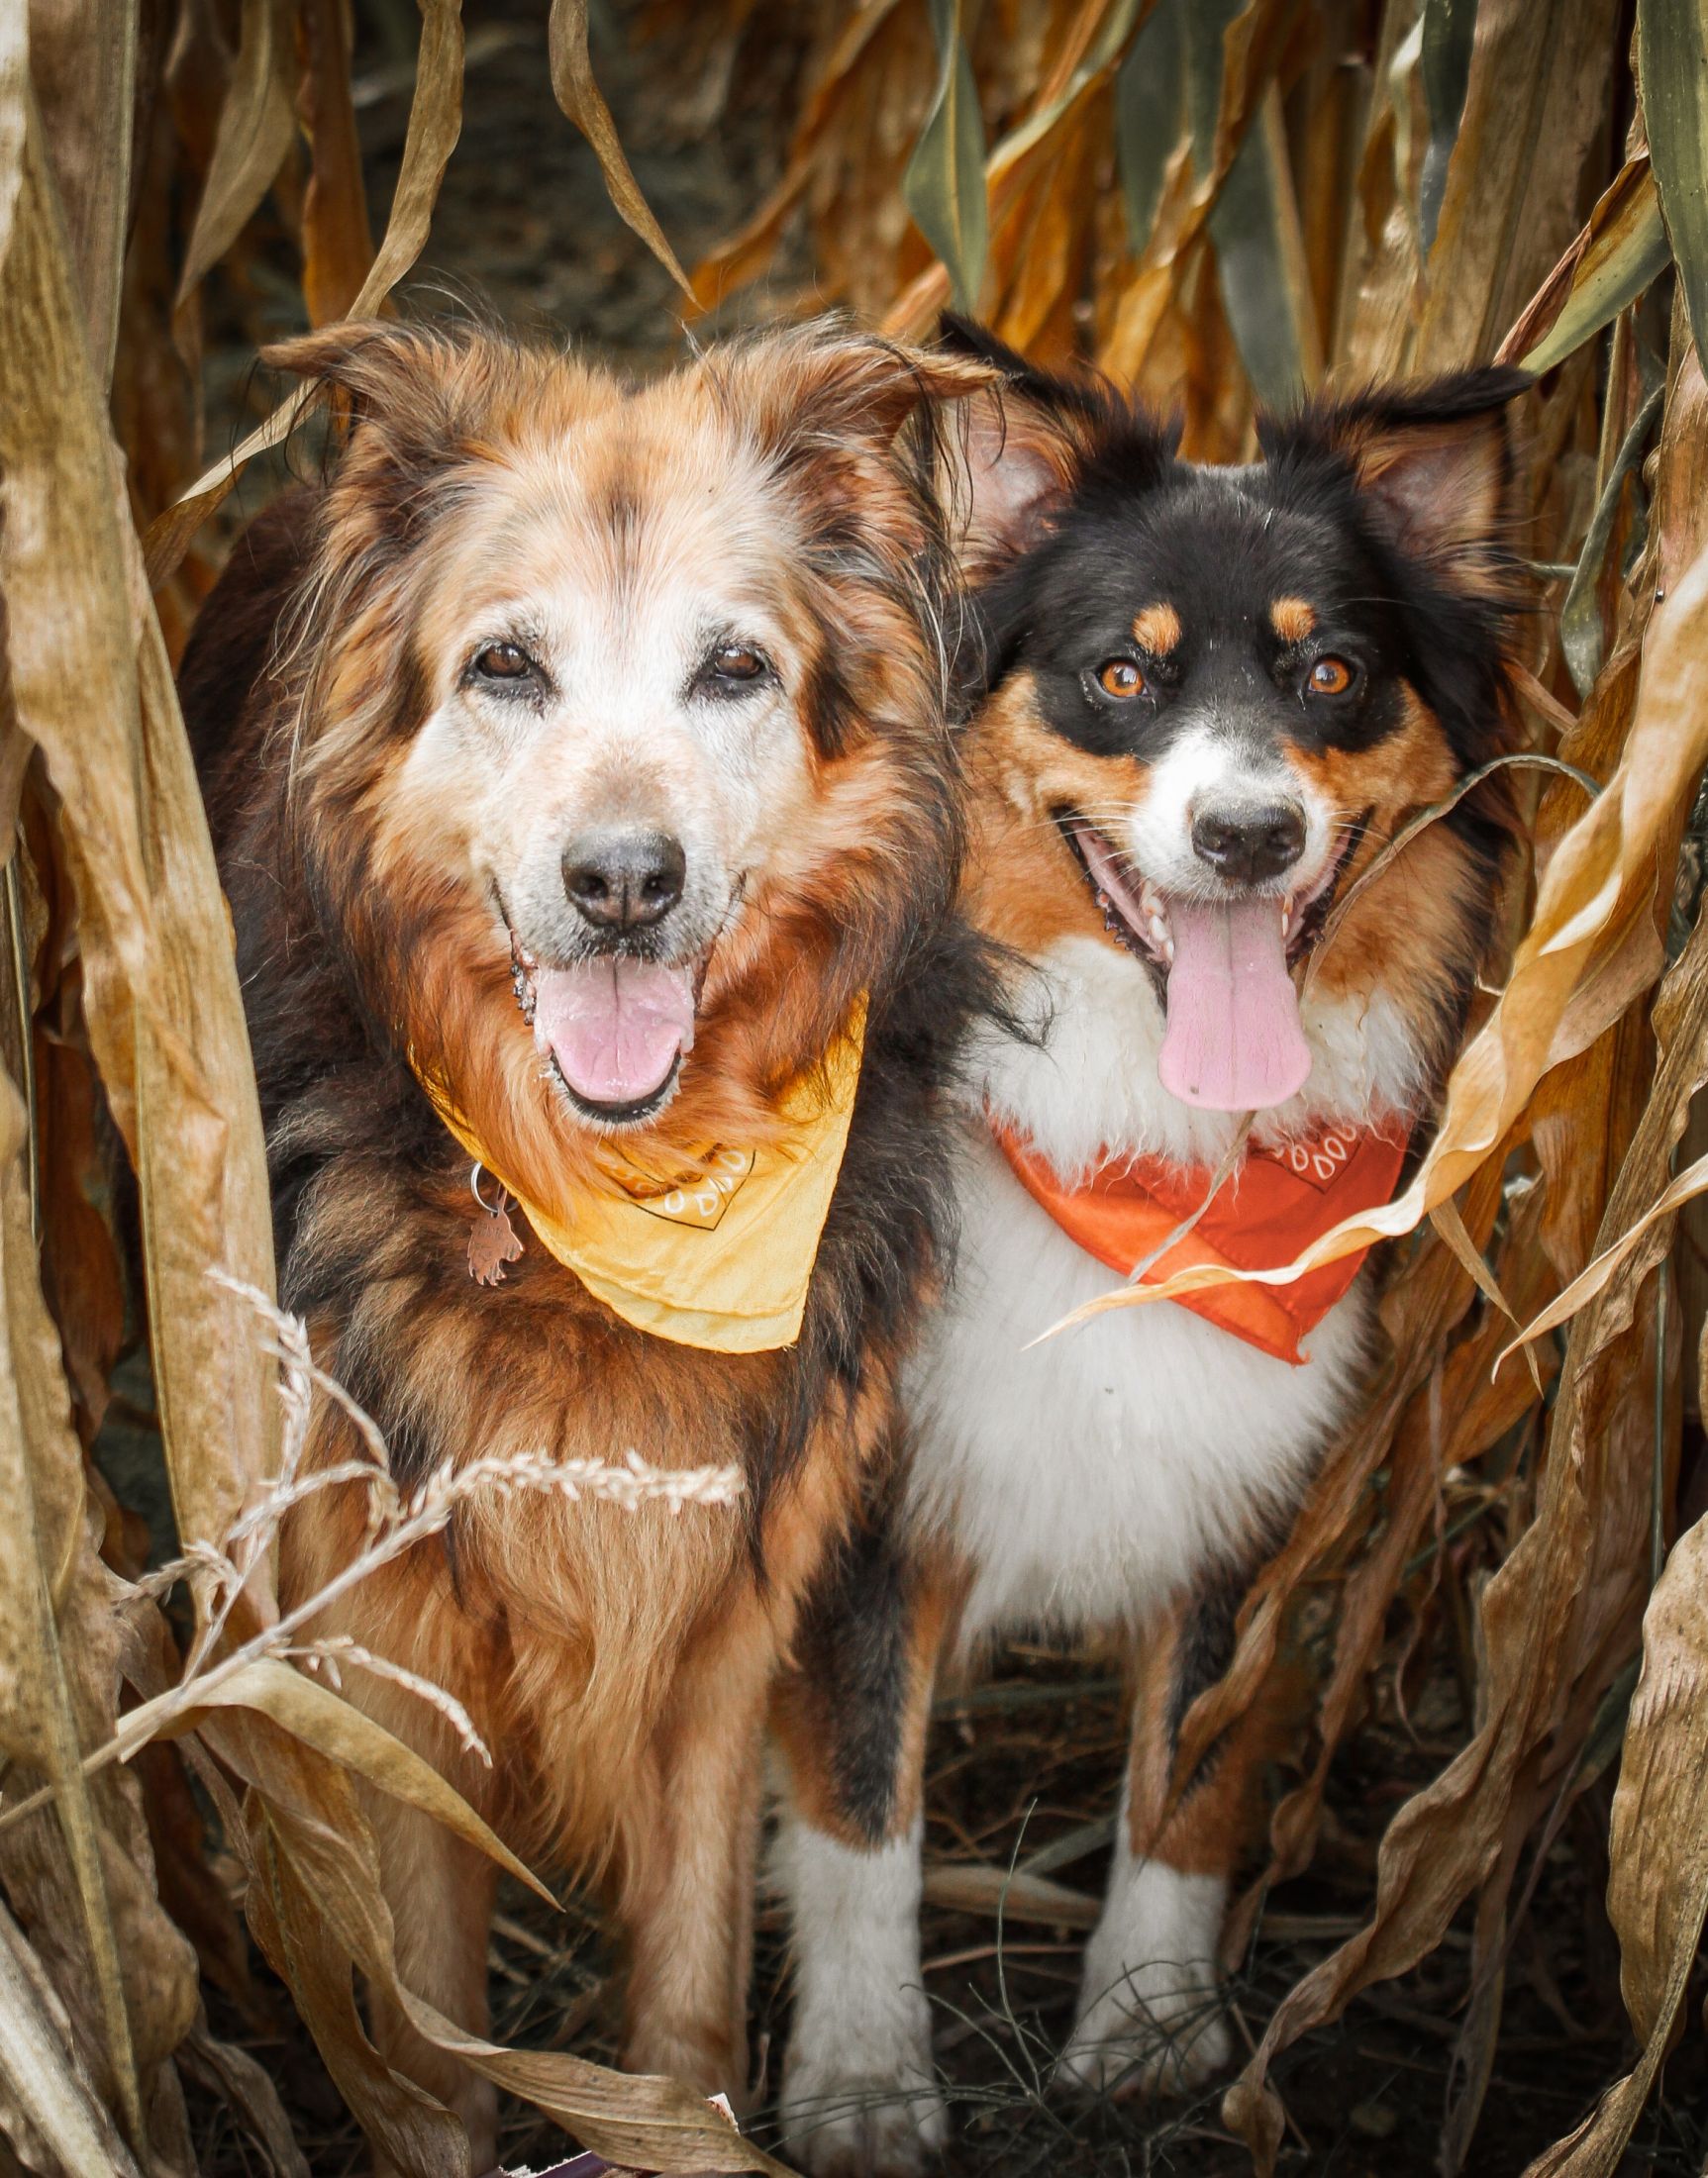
(1149,115)
(44,1570)
(1581,638)
(1011,1894)
(1261,256)
(1690,1183)
(435,122)
(1446,32)
(165,1013)
(323,1890)
(84,65)
(239,2079)
(1419,1309)
(746,254)
(1540,79)
(336,246)
(580,97)
(257,124)
(47,2109)
(333,1728)
(1658,1895)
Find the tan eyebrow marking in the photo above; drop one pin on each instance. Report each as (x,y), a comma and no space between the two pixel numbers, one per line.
(1292,619)
(1157,630)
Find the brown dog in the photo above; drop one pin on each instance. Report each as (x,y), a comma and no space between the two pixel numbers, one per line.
(577,765)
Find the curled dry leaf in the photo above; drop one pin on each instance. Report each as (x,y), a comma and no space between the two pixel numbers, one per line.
(1620,252)
(582,100)
(47,2109)
(1657,1896)
(1547,1631)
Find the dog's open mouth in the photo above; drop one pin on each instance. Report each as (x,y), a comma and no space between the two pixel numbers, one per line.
(1224,969)
(616,1028)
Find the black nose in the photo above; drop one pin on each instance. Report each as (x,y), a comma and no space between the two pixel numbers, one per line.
(1245,843)
(624,880)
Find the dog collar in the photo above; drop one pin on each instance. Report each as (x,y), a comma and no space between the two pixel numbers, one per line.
(716,1253)
(1273,1206)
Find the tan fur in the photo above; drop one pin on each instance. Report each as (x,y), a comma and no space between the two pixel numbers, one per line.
(1292,617)
(1417,911)
(1024,886)
(1202,1825)
(618,1662)
(1157,629)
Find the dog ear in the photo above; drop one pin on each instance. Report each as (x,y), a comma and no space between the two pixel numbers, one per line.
(1020,447)
(817,387)
(420,382)
(853,426)
(1433,461)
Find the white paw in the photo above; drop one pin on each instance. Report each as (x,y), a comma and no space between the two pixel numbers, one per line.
(1151,2014)
(858,2099)
(839,2122)
(1160,2032)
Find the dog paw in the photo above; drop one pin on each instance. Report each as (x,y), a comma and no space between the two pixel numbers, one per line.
(1151,2014)
(840,2124)
(1160,2032)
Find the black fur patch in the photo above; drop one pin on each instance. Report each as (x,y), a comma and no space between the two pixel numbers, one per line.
(852,1659)
(1138,527)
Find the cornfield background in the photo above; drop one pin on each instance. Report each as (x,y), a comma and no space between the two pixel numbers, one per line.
(1471,1940)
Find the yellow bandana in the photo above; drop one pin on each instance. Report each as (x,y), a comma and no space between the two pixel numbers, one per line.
(718,1255)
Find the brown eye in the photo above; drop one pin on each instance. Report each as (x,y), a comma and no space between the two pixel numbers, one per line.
(1120,679)
(1331,677)
(502,661)
(733,669)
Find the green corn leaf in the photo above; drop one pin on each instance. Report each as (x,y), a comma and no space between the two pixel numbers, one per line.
(1449,30)
(1626,249)
(1581,637)
(1206,23)
(1254,222)
(1149,115)
(1672,71)
(1266,288)
(944,186)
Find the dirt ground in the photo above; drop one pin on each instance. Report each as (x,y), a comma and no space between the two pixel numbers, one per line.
(1026,1770)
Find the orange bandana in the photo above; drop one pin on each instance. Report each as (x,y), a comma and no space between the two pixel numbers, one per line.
(1278,1201)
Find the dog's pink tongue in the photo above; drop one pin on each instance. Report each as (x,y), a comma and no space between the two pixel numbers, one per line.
(614,1027)
(1233,1043)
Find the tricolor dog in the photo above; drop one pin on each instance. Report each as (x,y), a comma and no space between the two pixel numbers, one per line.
(1211,696)
(578,769)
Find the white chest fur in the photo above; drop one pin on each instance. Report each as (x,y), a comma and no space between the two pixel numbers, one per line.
(1086,1479)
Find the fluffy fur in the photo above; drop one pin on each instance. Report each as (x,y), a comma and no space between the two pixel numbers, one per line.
(393,797)
(1128,1477)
